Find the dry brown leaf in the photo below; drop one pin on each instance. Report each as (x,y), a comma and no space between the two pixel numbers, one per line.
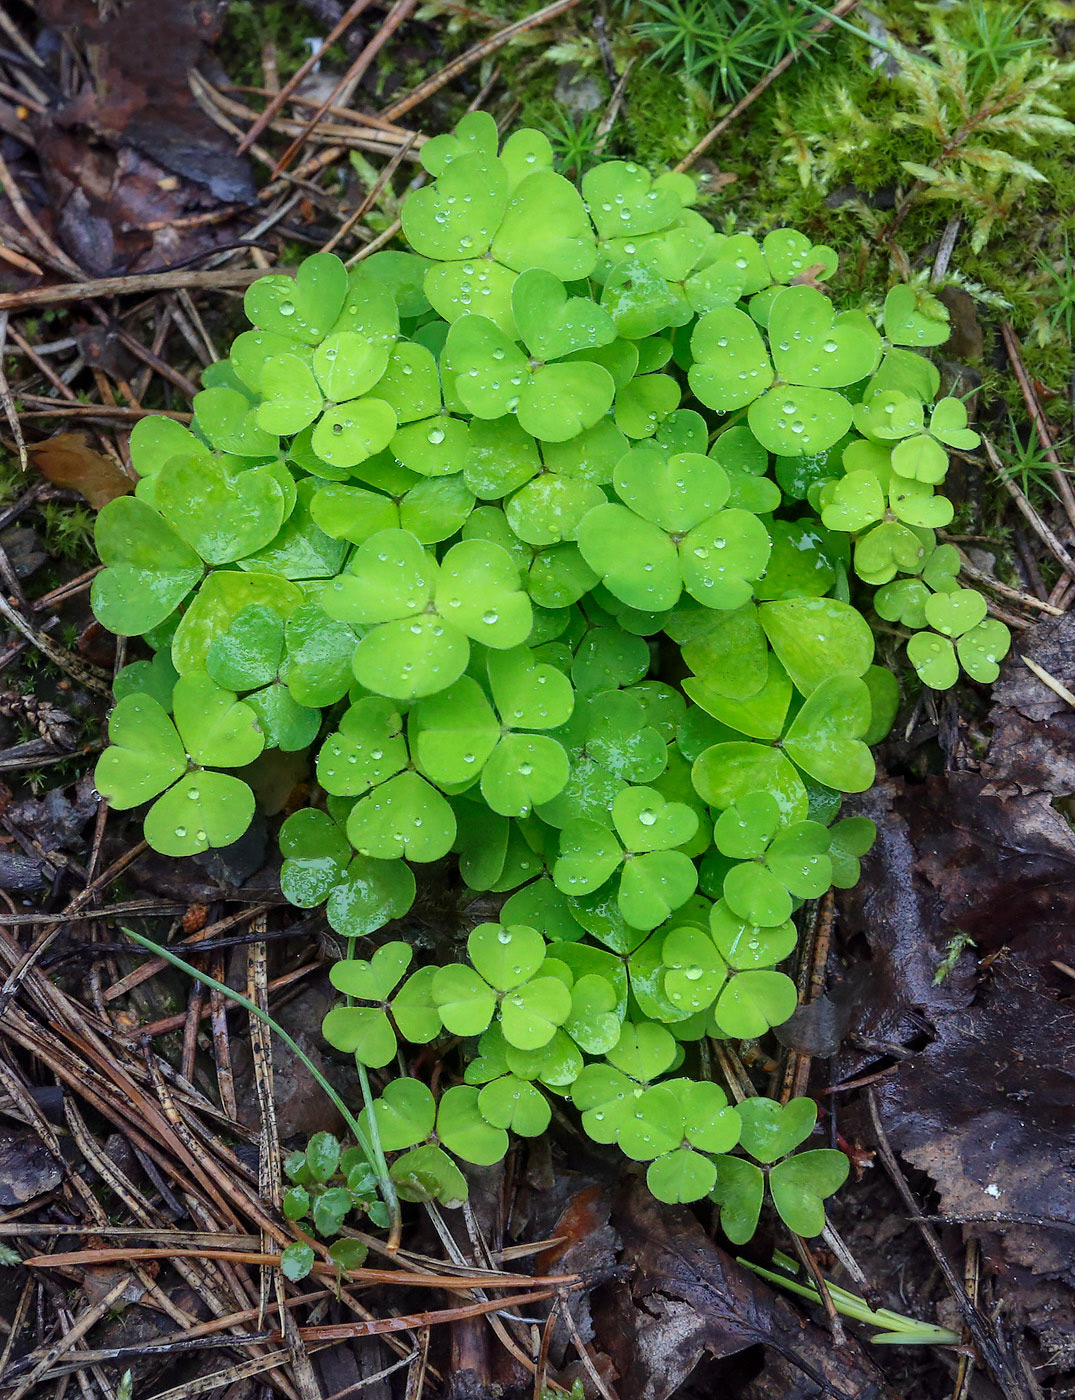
(69,461)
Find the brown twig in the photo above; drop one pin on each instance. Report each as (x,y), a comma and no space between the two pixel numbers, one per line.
(1061,478)
(1033,519)
(388,26)
(64,292)
(343,24)
(842,8)
(474,55)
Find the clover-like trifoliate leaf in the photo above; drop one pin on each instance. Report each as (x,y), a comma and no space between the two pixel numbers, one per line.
(513,1103)
(790,253)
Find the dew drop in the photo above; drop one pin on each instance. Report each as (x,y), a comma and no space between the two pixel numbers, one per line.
(287,308)
(490,617)
(436,435)
(646,817)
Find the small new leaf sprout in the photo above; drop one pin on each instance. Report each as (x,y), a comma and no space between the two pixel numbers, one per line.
(546,543)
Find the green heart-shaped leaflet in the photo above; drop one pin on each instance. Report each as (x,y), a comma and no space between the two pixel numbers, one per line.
(222,516)
(229,421)
(405,1114)
(550,323)
(681,1176)
(825,736)
(744,830)
(348,434)
(800,1185)
(531,1013)
(753,1002)
(291,396)
(202,810)
(739,1191)
(731,364)
(250,652)
(816,638)
(221,598)
(474,134)
(790,254)
(647,822)
(457,289)
(303,307)
(145,754)
(149,569)
(934,658)
(772,1130)
(545,226)
(625,203)
(955,613)
(506,955)
(694,971)
(463,1130)
(982,648)
(524,771)
(217,729)
(746,947)
(457,216)
(403,817)
(375,979)
(914,317)
(428,1174)
(155,439)
(814,348)
(367,749)
(514,1104)
(724,773)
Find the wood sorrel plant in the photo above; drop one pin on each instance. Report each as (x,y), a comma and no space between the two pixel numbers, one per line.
(435,523)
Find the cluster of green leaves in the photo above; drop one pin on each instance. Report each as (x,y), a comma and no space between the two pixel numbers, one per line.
(550,1013)
(442,523)
(329,1182)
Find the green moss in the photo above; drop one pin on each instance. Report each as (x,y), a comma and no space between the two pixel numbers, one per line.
(251,24)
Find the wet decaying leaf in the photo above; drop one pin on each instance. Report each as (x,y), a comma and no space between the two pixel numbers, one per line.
(129,157)
(986,1104)
(685,1298)
(27,1169)
(68,460)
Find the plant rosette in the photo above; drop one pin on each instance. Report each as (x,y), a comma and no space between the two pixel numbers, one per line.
(545,543)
